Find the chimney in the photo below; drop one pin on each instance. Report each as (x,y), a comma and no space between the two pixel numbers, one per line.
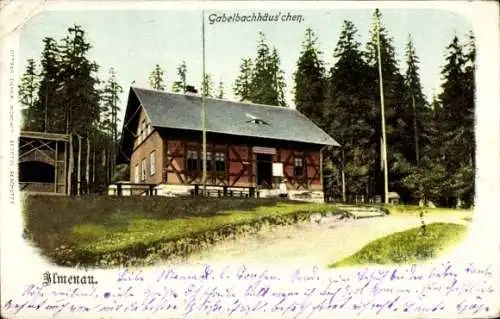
(191,90)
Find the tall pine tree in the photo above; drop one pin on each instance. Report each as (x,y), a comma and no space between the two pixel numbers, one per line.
(48,113)
(348,109)
(416,102)
(243,85)
(156,78)
(220,90)
(28,89)
(456,117)
(110,100)
(78,82)
(179,86)
(207,87)
(267,85)
(310,80)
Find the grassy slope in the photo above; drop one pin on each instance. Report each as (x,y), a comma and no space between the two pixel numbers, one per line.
(104,224)
(407,246)
(135,228)
(413,209)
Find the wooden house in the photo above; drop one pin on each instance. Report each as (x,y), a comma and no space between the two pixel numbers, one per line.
(249,146)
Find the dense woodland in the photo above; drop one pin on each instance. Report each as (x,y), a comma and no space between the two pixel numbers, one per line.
(430,140)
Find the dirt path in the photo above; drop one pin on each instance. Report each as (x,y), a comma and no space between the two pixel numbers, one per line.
(312,243)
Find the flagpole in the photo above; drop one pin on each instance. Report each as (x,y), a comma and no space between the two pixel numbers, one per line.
(382,111)
(203,112)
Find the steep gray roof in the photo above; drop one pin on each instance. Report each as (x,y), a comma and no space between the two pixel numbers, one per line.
(179,111)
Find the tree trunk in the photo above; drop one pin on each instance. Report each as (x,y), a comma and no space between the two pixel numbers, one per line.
(79,167)
(87,168)
(343,177)
(94,167)
(415,132)
(70,164)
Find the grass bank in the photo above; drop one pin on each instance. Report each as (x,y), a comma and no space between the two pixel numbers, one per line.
(108,231)
(414,209)
(407,246)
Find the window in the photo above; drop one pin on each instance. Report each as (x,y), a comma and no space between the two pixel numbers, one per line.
(299,166)
(255,120)
(136,173)
(220,162)
(143,130)
(192,160)
(209,162)
(139,135)
(143,170)
(152,163)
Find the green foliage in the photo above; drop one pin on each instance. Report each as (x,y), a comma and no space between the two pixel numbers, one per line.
(110,98)
(207,87)
(408,246)
(65,97)
(157,78)
(419,117)
(28,88)
(46,112)
(179,86)
(261,81)
(349,114)
(310,81)
(78,86)
(243,84)
(452,138)
(220,90)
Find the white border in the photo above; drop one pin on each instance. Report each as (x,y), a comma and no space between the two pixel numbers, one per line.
(20,263)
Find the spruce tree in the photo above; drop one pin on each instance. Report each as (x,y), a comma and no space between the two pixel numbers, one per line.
(348,111)
(267,83)
(110,99)
(277,75)
(28,89)
(243,85)
(453,105)
(310,79)
(220,90)
(456,129)
(469,97)
(78,82)
(415,100)
(156,78)
(48,113)
(207,86)
(179,86)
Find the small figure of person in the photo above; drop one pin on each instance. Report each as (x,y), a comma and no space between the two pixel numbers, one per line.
(422,222)
(283,193)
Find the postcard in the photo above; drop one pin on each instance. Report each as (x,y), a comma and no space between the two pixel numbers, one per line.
(249,159)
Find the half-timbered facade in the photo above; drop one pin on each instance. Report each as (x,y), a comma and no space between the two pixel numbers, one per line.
(249,146)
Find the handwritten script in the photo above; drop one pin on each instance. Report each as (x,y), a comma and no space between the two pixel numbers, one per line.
(240,291)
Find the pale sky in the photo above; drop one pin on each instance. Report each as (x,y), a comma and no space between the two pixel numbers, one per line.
(133,42)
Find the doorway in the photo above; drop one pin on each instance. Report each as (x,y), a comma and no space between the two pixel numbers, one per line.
(264,170)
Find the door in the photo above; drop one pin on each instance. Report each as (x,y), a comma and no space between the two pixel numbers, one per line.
(264,170)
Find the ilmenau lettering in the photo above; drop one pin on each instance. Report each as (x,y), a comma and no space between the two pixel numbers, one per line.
(54,278)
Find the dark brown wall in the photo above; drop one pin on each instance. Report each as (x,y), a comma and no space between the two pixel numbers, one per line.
(143,150)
